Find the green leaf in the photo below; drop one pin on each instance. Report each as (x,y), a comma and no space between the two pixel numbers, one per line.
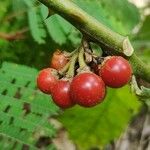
(18,5)
(120,16)
(58,28)
(144,32)
(35,23)
(24,111)
(4,6)
(90,127)
(141,40)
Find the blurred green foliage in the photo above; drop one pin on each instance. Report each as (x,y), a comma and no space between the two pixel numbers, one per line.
(94,127)
(141,40)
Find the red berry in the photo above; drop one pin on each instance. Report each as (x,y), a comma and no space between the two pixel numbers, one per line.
(59,60)
(116,71)
(46,80)
(61,94)
(87,89)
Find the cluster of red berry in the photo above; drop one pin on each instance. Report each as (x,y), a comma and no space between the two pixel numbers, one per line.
(71,80)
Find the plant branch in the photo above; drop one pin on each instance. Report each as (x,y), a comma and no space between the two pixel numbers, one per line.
(14,36)
(140,69)
(14,15)
(98,33)
(89,26)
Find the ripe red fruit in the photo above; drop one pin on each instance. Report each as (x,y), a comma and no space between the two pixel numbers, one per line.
(87,89)
(59,60)
(115,71)
(46,80)
(61,94)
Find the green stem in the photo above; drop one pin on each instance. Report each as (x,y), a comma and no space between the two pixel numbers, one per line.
(72,53)
(139,68)
(98,33)
(71,69)
(64,69)
(82,63)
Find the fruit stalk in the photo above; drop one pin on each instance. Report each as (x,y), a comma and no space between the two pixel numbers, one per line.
(64,69)
(71,53)
(71,69)
(81,60)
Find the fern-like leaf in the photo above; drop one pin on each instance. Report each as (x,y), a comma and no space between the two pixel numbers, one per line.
(24,111)
(35,23)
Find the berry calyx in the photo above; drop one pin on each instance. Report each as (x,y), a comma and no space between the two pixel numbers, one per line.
(59,60)
(46,79)
(115,71)
(61,94)
(87,89)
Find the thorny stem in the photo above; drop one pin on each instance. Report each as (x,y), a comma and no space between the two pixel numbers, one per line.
(98,33)
(89,26)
